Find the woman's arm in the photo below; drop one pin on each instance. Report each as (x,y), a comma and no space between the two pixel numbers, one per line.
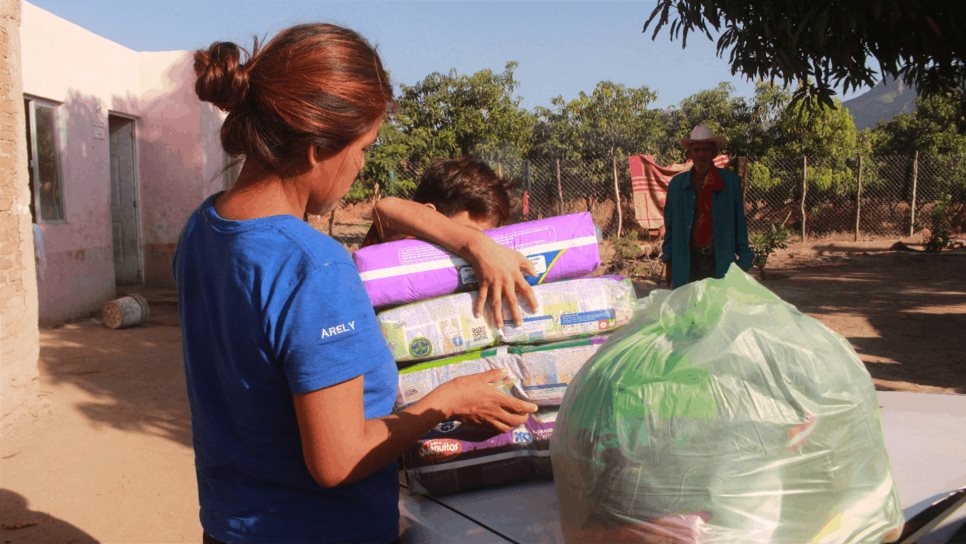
(340,446)
(499,270)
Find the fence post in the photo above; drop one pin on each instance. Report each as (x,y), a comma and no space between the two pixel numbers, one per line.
(804,190)
(617,194)
(858,201)
(559,190)
(912,204)
(742,174)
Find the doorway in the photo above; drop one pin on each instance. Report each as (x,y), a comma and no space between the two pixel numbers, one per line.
(125,229)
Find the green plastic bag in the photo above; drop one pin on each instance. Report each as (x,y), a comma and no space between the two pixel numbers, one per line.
(723,414)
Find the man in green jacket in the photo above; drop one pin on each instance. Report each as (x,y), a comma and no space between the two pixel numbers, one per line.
(704,217)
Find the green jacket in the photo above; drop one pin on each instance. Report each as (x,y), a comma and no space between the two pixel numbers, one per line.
(730,232)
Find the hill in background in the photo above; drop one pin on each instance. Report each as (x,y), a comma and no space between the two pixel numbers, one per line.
(886,100)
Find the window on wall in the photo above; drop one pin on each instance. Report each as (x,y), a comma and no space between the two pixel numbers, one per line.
(43,152)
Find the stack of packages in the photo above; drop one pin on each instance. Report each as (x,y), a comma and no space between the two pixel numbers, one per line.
(426,315)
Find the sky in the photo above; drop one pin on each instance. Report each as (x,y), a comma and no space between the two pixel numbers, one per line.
(562,47)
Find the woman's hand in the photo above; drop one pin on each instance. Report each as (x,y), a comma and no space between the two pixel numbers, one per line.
(500,274)
(477,400)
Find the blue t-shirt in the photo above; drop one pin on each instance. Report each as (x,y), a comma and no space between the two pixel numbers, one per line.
(271,307)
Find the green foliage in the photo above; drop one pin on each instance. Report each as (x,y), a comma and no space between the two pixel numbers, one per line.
(725,114)
(593,129)
(766,108)
(384,165)
(629,259)
(759,176)
(938,126)
(838,181)
(454,114)
(825,135)
(764,244)
(939,225)
(937,130)
(828,41)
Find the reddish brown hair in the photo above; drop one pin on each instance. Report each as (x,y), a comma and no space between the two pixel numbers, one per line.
(466,184)
(312,84)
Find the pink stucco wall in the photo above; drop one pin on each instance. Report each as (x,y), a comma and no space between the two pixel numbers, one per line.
(91,77)
(180,156)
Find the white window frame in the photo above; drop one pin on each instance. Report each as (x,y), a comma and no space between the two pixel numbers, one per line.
(31,103)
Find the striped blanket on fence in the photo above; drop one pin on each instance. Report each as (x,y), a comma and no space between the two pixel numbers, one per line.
(649,181)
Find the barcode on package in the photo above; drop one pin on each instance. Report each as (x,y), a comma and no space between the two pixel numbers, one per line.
(479,334)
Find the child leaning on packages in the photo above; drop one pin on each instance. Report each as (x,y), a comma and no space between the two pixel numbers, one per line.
(454,202)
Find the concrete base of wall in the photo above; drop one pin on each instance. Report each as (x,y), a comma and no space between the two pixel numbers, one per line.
(77,283)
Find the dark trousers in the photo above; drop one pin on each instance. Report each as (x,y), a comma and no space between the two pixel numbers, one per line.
(702,263)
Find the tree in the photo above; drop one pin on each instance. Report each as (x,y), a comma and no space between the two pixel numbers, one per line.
(826,136)
(452,115)
(767,107)
(822,134)
(829,41)
(589,138)
(386,164)
(612,120)
(725,114)
(937,131)
(937,127)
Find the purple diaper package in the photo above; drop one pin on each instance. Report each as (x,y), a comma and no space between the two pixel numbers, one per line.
(452,458)
(404,271)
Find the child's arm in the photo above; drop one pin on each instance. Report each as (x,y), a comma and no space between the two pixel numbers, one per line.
(499,270)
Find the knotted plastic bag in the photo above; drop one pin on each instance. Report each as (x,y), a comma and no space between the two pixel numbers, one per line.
(723,414)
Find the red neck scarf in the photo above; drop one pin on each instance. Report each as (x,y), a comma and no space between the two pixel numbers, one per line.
(702,233)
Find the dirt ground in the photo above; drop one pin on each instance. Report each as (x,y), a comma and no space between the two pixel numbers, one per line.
(103,452)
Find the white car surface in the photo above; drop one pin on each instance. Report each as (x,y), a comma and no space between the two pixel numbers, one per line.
(925,436)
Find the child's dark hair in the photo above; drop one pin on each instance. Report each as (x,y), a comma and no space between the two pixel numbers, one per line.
(455,185)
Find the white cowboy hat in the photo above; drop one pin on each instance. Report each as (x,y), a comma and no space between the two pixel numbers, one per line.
(702,133)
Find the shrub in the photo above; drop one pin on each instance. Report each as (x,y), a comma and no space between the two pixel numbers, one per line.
(939,225)
(764,244)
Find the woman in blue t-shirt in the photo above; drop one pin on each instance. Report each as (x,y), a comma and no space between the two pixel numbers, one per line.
(290,381)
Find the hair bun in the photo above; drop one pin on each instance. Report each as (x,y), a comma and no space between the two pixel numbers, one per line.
(222,78)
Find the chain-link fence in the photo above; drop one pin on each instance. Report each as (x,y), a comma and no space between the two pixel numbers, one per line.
(866,197)
(550,187)
(862,198)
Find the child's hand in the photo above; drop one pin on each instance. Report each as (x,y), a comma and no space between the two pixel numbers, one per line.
(499,271)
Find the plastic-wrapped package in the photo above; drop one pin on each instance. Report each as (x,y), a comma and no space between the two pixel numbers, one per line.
(547,370)
(572,308)
(445,326)
(540,374)
(723,414)
(452,458)
(411,270)
(436,328)
(415,382)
